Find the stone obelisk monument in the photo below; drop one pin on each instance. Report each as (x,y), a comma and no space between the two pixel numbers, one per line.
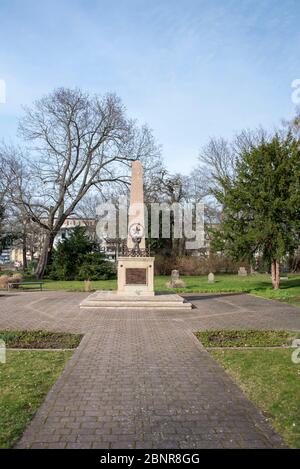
(136,215)
(136,268)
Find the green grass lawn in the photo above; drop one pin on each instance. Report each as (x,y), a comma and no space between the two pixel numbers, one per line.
(25,379)
(40,339)
(246,338)
(267,376)
(258,284)
(78,285)
(272,382)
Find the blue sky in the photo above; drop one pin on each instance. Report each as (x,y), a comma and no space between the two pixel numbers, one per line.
(191,69)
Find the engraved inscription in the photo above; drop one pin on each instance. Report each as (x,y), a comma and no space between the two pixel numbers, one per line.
(136,276)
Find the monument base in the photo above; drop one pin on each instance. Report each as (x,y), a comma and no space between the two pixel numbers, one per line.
(136,276)
(114,300)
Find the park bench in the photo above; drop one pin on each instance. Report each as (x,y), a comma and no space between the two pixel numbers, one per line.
(20,284)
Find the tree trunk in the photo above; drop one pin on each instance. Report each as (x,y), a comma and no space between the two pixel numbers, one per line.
(45,255)
(275,274)
(24,251)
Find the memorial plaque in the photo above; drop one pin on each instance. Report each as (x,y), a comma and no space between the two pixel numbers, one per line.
(136,276)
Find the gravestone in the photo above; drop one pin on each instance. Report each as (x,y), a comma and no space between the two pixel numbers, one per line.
(242,272)
(175,274)
(175,281)
(211,278)
(2,351)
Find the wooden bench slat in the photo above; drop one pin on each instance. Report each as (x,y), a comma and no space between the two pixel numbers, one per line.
(26,283)
(11,284)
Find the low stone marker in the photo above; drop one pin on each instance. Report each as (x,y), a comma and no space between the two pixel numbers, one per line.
(87,286)
(242,272)
(211,278)
(175,274)
(175,282)
(2,351)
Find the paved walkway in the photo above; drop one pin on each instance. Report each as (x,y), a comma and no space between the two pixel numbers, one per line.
(140,379)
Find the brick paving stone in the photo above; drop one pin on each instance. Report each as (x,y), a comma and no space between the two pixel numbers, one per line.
(139,379)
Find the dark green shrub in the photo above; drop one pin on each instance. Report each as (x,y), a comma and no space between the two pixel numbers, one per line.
(75,259)
(96,267)
(69,255)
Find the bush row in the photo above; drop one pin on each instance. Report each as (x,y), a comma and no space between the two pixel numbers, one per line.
(192,265)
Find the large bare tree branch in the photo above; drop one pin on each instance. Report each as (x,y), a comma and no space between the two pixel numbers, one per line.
(75,142)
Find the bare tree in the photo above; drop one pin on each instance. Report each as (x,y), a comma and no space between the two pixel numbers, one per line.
(3,188)
(216,162)
(5,179)
(166,187)
(170,189)
(293,125)
(18,229)
(76,142)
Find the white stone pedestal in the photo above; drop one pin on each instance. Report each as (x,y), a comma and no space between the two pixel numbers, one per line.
(113,301)
(136,276)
